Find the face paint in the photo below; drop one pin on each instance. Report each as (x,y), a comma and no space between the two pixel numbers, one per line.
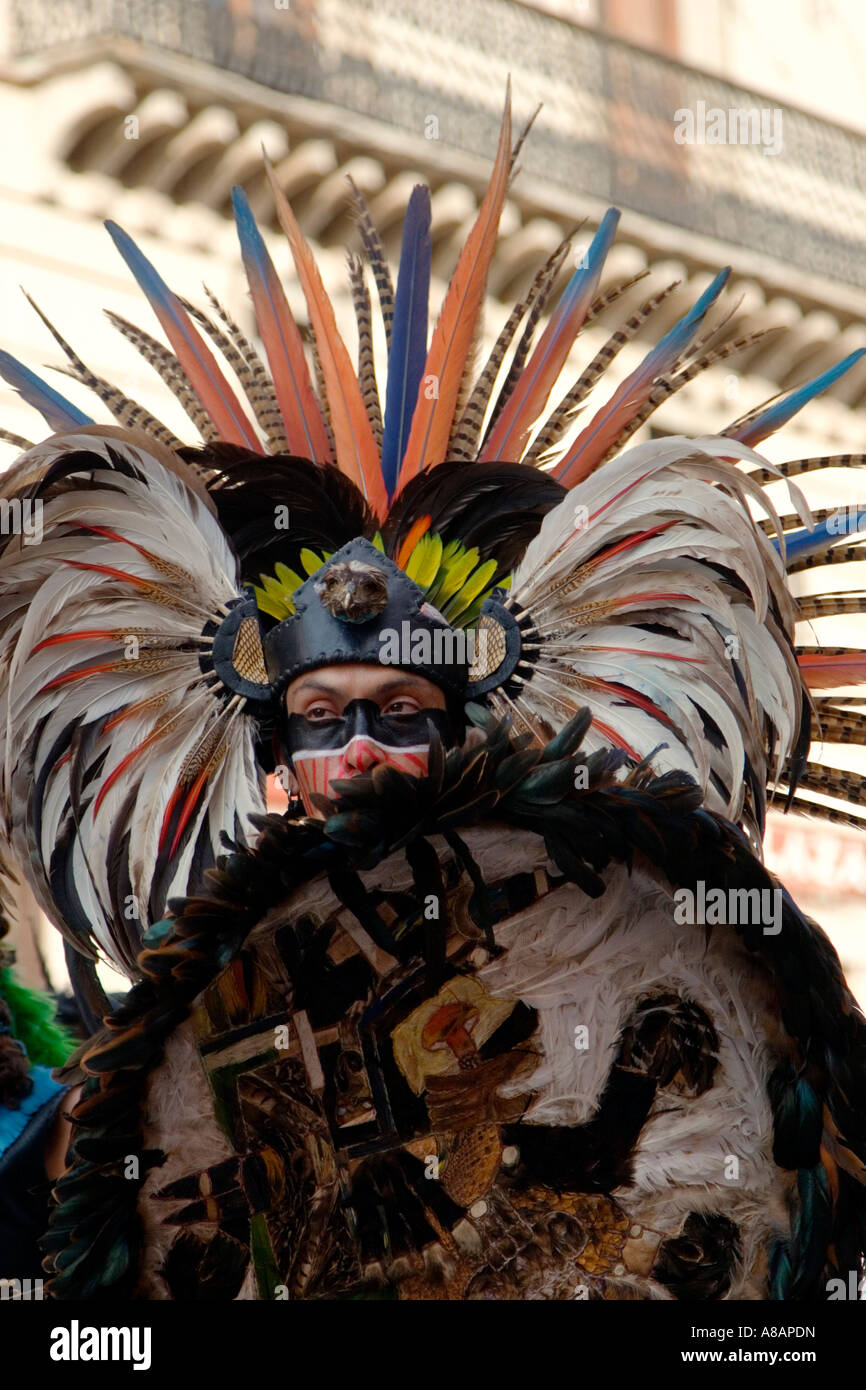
(317,771)
(324,751)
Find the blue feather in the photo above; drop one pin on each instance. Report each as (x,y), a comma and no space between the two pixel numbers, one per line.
(60,413)
(611,419)
(778,414)
(799,544)
(812,1229)
(151,282)
(780,1269)
(193,354)
(585,279)
(408,351)
(676,340)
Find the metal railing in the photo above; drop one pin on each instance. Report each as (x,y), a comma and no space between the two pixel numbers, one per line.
(607,129)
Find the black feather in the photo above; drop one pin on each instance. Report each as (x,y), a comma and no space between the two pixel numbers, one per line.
(325,509)
(497,507)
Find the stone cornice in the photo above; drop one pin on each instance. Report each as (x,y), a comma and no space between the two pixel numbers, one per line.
(199,130)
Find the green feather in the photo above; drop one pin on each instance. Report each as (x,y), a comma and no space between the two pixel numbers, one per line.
(275,608)
(458,572)
(471,589)
(290,580)
(33,1023)
(311,561)
(430,563)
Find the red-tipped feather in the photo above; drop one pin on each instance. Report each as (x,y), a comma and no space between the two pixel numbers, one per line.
(615,739)
(67,679)
(189,807)
(83,635)
(509,435)
(357,451)
(169,812)
(821,672)
(111,572)
(622,599)
(645,651)
(123,765)
(630,542)
(579,525)
(453,335)
(115,536)
(628,697)
(192,352)
(132,710)
(302,415)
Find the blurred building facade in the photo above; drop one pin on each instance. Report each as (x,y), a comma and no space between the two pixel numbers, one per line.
(149,111)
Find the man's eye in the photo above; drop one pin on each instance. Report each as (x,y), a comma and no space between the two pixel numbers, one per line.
(319,713)
(402,706)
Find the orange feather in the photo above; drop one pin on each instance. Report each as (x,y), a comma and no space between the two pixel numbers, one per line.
(196,358)
(416,531)
(453,335)
(823,671)
(357,451)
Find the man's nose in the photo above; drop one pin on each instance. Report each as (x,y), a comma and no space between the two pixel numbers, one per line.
(364,753)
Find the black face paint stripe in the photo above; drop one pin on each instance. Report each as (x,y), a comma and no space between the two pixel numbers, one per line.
(364,718)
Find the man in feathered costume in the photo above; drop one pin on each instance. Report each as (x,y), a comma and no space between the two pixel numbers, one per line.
(506,1006)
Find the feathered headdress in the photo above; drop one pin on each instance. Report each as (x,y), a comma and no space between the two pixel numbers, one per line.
(135,692)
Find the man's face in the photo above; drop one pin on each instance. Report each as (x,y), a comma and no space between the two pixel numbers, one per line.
(345,719)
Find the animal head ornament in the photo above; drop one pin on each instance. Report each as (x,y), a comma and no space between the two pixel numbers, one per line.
(146,643)
(361,607)
(352,591)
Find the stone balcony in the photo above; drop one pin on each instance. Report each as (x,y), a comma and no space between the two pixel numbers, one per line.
(420,70)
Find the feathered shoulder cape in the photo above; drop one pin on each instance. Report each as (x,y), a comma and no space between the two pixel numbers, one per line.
(459,1044)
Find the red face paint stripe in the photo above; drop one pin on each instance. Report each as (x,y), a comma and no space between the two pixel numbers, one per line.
(415,760)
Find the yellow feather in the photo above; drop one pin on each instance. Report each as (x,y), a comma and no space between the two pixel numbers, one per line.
(311,561)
